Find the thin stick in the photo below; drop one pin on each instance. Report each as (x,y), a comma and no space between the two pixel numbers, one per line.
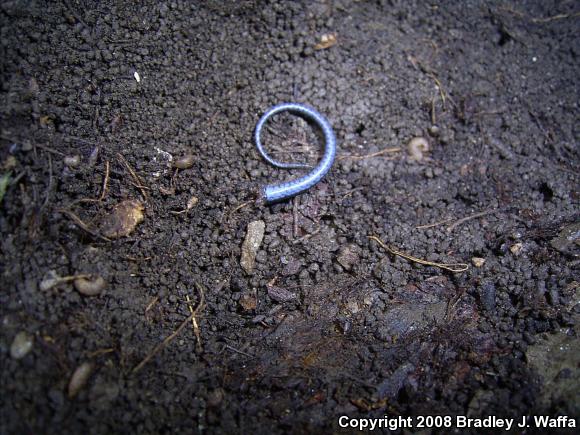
(295,216)
(49,188)
(151,304)
(77,220)
(241,352)
(555,17)
(138,183)
(105,182)
(168,340)
(468,218)
(48,149)
(368,156)
(451,267)
(434,224)
(440,87)
(194,324)
(433,118)
(242,205)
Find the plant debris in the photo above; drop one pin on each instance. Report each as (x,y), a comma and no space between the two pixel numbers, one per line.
(252,243)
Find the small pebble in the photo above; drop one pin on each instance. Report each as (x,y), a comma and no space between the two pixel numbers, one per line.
(90,287)
(487,295)
(79,378)
(478,262)
(21,345)
(434,131)
(280,294)
(348,256)
(50,280)
(123,219)
(516,248)
(72,161)
(248,301)
(184,162)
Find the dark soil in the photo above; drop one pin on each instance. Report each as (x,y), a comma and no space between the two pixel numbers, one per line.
(328,323)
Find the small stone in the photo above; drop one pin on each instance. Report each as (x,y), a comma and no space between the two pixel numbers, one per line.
(487,295)
(79,378)
(348,256)
(353,306)
(292,268)
(72,161)
(280,294)
(21,345)
(50,280)
(248,301)
(123,219)
(568,240)
(516,248)
(478,261)
(251,245)
(434,130)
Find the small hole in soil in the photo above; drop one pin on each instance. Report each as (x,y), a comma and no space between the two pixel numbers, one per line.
(504,37)
(546,191)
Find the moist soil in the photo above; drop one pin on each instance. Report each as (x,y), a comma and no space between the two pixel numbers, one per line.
(101,99)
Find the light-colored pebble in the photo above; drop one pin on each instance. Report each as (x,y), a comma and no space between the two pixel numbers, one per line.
(123,219)
(50,280)
(79,378)
(348,256)
(516,248)
(21,345)
(72,161)
(477,261)
(251,245)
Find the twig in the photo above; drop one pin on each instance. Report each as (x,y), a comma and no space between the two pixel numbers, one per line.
(555,17)
(241,352)
(105,182)
(242,205)
(434,224)
(194,324)
(295,217)
(368,156)
(451,267)
(151,304)
(168,340)
(440,87)
(49,188)
(138,183)
(350,192)
(433,117)
(100,352)
(48,149)
(81,140)
(539,20)
(77,220)
(306,237)
(468,218)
